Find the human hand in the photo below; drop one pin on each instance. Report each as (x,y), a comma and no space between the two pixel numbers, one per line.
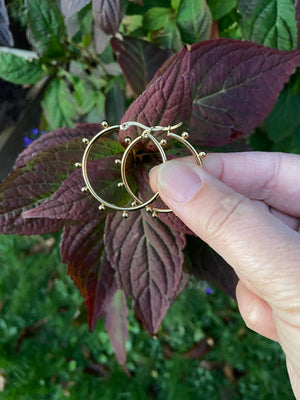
(246,206)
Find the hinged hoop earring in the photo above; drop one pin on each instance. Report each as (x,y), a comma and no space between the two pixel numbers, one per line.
(137,203)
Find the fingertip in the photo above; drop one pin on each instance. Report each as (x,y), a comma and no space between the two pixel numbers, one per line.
(153,176)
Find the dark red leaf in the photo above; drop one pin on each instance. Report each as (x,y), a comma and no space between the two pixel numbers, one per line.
(115,319)
(148,258)
(69,203)
(139,60)
(107,15)
(220,89)
(101,287)
(51,139)
(209,266)
(30,186)
(82,248)
(165,100)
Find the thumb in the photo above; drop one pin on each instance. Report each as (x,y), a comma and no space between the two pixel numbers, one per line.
(242,231)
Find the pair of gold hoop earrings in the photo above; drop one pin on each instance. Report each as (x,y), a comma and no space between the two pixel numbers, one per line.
(137,203)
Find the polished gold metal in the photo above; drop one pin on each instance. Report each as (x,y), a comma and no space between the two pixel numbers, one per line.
(147,134)
(139,204)
(125,214)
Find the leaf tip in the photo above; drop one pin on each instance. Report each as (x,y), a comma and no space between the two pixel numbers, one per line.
(89,301)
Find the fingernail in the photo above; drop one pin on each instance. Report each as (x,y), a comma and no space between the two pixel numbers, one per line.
(178,181)
(152,169)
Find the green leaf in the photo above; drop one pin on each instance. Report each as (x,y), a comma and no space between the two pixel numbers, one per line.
(85,95)
(170,37)
(18,70)
(97,113)
(269,22)
(115,103)
(286,145)
(132,23)
(229,25)
(194,21)
(58,104)
(175,4)
(296,138)
(285,117)
(219,8)
(46,27)
(259,140)
(156,18)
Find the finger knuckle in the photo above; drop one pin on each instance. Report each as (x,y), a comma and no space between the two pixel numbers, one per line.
(224,217)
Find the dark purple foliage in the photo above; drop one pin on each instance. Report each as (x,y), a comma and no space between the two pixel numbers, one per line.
(52,139)
(107,15)
(220,89)
(147,256)
(68,202)
(139,60)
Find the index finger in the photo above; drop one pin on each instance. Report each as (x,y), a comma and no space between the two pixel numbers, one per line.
(269,177)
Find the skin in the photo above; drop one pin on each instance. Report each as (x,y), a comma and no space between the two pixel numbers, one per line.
(246,206)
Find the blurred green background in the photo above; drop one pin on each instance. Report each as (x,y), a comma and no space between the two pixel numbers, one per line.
(47,352)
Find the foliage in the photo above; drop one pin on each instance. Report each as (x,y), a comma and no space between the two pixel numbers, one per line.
(178,69)
(6,38)
(44,356)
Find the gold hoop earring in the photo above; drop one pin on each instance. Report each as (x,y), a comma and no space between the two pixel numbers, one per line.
(89,187)
(183,139)
(146,134)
